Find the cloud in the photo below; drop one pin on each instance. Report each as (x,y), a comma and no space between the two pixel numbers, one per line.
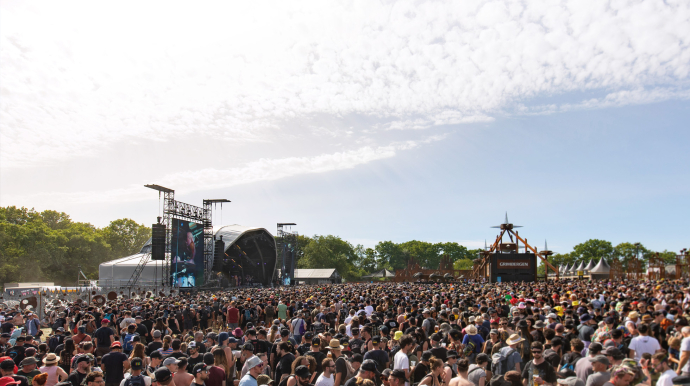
(78,76)
(265,169)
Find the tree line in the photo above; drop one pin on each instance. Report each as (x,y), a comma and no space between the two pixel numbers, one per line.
(49,246)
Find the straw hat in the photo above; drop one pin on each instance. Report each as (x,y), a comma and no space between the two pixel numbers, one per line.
(514,339)
(50,359)
(471,330)
(335,345)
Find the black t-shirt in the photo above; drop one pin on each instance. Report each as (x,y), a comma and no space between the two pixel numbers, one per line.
(440,353)
(260,346)
(341,367)
(191,362)
(103,335)
(284,365)
(77,378)
(153,346)
(356,345)
(23,381)
(178,355)
(319,356)
(17,353)
(351,382)
(380,356)
(544,370)
(113,366)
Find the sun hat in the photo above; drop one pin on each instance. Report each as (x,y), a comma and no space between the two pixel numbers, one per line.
(471,330)
(253,362)
(334,345)
(50,359)
(514,339)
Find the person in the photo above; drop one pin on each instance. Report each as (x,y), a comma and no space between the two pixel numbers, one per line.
(163,377)
(83,365)
(55,373)
(435,371)
(39,380)
(135,376)
(114,363)
(472,343)
(511,361)
(154,361)
(400,360)
(285,359)
(255,367)
(182,376)
(28,368)
(200,372)
(643,343)
(583,368)
(326,377)
(194,356)
(599,374)
(216,374)
(103,338)
(94,378)
(316,353)
(450,369)
(538,371)
(462,378)
(397,378)
(684,361)
(379,356)
(7,370)
(368,370)
(659,363)
(476,372)
(622,376)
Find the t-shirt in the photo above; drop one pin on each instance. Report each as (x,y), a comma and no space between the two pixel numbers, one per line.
(513,358)
(544,370)
(112,364)
(685,346)
(216,376)
(147,379)
(233,315)
(643,344)
(30,375)
(476,339)
(284,365)
(103,335)
(22,380)
(282,311)
(380,356)
(475,373)
(401,362)
(323,381)
(248,380)
(153,346)
(666,379)
(319,357)
(583,369)
(191,361)
(341,367)
(598,379)
(76,378)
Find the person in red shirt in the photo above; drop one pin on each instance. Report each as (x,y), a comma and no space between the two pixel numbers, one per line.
(233,316)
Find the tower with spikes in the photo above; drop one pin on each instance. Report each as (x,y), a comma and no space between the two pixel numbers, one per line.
(482,268)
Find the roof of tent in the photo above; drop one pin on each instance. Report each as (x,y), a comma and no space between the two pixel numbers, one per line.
(601,267)
(380,273)
(231,233)
(589,266)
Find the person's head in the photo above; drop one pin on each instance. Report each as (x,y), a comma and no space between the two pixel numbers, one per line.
(436,365)
(537,350)
(406,343)
(659,362)
(163,376)
(622,376)
(599,363)
(28,364)
(255,366)
(483,360)
(200,373)
(156,358)
(39,380)
(171,364)
(368,369)
(302,375)
(137,364)
(514,340)
(514,377)
(328,366)
(397,378)
(335,347)
(94,378)
(83,364)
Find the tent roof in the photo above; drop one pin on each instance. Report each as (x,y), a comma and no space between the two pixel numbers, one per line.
(380,273)
(589,266)
(323,273)
(601,267)
(231,233)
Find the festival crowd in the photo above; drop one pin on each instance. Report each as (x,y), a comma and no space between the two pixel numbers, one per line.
(572,333)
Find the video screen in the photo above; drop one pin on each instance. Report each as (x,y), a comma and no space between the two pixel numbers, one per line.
(187,251)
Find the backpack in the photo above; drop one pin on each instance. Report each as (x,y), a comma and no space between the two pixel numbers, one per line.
(350,370)
(499,362)
(247,314)
(59,322)
(135,381)
(301,327)
(55,341)
(318,327)
(432,325)
(469,349)
(128,346)
(570,365)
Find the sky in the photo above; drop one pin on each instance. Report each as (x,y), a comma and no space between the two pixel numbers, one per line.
(372,121)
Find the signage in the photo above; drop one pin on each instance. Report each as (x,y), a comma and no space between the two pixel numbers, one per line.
(513,264)
(580,273)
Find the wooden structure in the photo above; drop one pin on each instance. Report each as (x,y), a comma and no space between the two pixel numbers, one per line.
(445,272)
(657,268)
(682,264)
(482,270)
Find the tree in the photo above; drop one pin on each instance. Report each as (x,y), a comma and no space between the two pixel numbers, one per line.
(126,237)
(391,255)
(592,249)
(463,264)
(330,252)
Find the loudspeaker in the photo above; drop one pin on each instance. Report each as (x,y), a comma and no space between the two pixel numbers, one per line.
(218,255)
(157,242)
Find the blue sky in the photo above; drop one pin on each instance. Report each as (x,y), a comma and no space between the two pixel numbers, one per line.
(370,121)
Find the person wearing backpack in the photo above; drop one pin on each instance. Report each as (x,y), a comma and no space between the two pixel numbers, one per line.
(471,343)
(538,371)
(56,340)
(299,327)
(507,358)
(569,360)
(135,377)
(368,370)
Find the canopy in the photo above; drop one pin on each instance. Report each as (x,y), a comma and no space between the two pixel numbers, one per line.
(589,265)
(380,273)
(601,267)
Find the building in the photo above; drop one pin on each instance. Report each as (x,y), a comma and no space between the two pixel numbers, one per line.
(317,276)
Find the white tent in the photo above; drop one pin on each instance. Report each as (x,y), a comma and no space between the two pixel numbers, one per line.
(118,272)
(589,265)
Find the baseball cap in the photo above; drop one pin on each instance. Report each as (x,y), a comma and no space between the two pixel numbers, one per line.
(162,375)
(599,358)
(400,374)
(302,371)
(7,364)
(170,361)
(156,333)
(156,354)
(199,367)
(316,342)
(137,363)
(82,358)
(116,344)
(4,381)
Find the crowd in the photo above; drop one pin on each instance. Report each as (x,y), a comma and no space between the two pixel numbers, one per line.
(573,333)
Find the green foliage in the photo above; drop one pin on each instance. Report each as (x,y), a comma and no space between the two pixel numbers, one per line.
(49,246)
(592,249)
(463,264)
(330,252)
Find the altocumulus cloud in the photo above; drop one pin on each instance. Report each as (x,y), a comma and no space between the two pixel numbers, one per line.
(79,76)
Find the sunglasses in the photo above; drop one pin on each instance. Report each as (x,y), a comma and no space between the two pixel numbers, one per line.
(536,351)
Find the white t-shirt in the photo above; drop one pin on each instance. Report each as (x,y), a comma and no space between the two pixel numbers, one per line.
(401,362)
(644,344)
(685,346)
(666,379)
(369,310)
(330,381)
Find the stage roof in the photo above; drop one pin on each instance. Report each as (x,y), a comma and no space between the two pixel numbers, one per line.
(323,273)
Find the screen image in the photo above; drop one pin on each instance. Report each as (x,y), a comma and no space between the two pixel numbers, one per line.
(187,251)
